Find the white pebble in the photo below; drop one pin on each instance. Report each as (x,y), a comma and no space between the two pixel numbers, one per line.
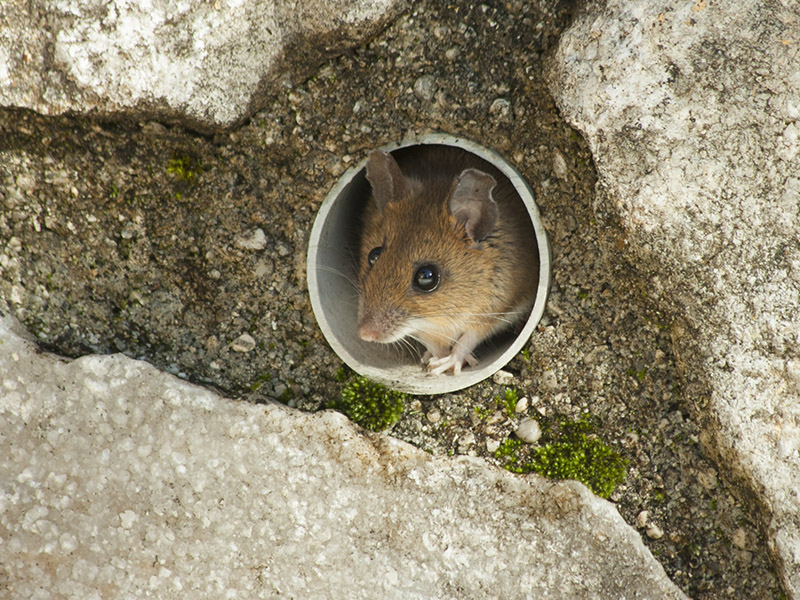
(503,377)
(251,240)
(642,519)
(559,165)
(654,531)
(425,88)
(500,108)
(522,405)
(529,431)
(492,445)
(244,343)
(739,538)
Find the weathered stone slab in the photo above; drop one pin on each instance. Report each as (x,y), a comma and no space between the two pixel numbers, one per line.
(117,480)
(205,64)
(692,111)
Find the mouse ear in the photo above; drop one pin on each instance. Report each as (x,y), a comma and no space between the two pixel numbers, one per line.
(471,203)
(387,180)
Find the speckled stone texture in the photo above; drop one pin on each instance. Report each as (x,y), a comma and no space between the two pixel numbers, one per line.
(119,481)
(206,64)
(692,111)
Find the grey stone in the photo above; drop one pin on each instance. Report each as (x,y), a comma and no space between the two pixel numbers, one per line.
(205,64)
(691,111)
(122,478)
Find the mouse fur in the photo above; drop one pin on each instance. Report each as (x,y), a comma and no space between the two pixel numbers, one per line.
(444,211)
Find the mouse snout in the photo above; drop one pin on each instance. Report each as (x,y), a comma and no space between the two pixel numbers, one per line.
(378,327)
(368,333)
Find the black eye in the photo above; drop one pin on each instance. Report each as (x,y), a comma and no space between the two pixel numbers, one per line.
(374,254)
(427,278)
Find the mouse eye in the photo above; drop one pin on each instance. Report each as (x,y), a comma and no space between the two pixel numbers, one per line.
(374,254)
(427,278)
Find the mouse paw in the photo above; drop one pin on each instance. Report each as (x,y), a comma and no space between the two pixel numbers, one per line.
(454,361)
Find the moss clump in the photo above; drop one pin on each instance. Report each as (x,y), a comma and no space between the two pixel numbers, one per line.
(259,381)
(370,404)
(570,450)
(184,168)
(509,401)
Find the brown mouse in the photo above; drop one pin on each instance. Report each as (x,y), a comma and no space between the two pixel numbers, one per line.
(448,254)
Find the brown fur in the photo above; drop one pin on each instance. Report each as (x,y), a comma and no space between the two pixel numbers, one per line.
(497,275)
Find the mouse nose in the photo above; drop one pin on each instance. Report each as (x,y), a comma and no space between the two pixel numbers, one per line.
(377,326)
(368,332)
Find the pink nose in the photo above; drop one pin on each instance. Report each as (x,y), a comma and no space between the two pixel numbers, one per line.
(368,332)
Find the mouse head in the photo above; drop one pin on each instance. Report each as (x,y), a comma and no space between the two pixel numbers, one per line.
(423,249)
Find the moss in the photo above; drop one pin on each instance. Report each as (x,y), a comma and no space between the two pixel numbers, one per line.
(569,450)
(342,374)
(509,401)
(370,404)
(483,412)
(286,395)
(509,453)
(259,381)
(184,168)
(640,374)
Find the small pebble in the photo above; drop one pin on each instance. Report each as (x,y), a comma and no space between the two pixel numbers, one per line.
(251,240)
(654,531)
(739,538)
(642,518)
(425,88)
(559,165)
(529,431)
(550,380)
(503,378)
(434,416)
(501,108)
(522,405)
(128,231)
(492,445)
(244,343)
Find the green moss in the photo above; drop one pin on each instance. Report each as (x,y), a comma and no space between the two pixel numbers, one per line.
(569,450)
(370,404)
(509,453)
(483,412)
(342,374)
(640,374)
(509,401)
(286,395)
(184,168)
(259,381)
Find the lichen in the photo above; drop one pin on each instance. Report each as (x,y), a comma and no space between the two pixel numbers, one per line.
(569,450)
(370,404)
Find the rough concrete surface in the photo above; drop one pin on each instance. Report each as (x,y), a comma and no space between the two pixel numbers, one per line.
(207,64)
(692,113)
(119,481)
(187,250)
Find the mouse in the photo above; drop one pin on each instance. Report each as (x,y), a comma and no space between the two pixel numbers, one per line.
(447,256)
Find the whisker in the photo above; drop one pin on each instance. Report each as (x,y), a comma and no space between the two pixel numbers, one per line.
(341,274)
